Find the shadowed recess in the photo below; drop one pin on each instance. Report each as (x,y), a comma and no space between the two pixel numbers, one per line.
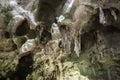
(22,29)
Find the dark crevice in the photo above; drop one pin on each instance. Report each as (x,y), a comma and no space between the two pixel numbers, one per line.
(7,34)
(24,68)
(110,29)
(14,47)
(88,39)
(45,37)
(22,29)
(2,78)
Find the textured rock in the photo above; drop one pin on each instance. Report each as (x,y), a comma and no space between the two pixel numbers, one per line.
(31,50)
(7,45)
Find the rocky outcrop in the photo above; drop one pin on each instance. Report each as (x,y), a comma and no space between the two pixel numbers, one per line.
(59,40)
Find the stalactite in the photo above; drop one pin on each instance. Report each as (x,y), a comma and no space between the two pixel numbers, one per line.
(102,16)
(114,14)
(77,47)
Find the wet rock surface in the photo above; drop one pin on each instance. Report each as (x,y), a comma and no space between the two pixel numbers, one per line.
(59,40)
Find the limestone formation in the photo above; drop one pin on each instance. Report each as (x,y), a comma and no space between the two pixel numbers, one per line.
(59,39)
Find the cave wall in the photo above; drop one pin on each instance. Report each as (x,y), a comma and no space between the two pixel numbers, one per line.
(88,47)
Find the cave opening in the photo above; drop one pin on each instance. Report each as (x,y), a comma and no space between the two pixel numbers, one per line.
(24,67)
(22,29)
